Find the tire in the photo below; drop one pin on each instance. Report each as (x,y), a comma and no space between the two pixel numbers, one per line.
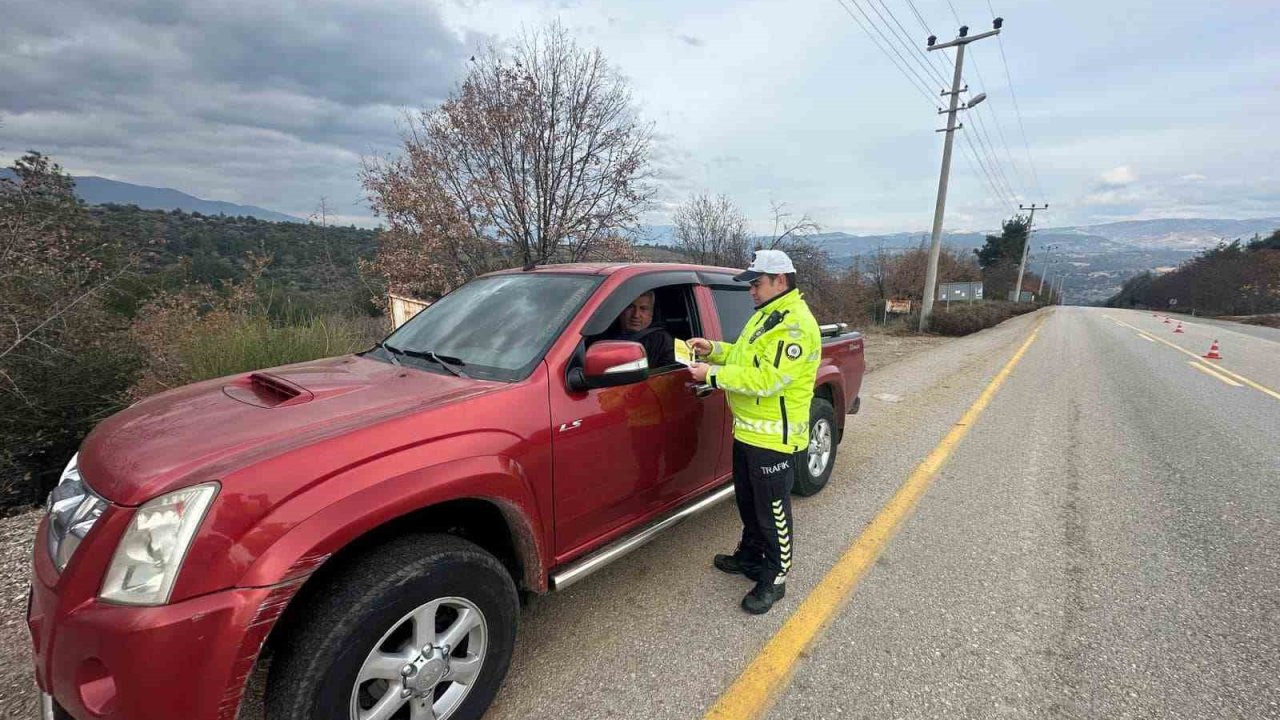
(813,466)
(364,622)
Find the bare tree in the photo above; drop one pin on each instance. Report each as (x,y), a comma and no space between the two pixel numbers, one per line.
(537,156)
(791,233)
(713,231)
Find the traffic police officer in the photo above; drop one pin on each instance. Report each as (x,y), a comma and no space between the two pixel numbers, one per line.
(768,376)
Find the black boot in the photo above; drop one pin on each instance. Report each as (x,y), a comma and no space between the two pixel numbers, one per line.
(735,565)
(763,596)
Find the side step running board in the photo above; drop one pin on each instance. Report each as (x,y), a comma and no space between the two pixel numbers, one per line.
(584,566)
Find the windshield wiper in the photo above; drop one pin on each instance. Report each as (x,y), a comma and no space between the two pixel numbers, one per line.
(452,364)
(391,352)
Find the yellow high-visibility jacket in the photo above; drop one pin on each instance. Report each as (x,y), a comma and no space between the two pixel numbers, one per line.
(769,373)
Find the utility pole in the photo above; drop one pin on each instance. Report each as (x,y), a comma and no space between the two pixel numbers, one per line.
(1026,248)
(1047,252)
(935,243)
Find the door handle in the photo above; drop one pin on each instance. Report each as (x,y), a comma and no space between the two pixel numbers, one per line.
(702,390)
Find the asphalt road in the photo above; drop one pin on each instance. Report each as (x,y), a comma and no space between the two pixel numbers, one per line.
(1105,542)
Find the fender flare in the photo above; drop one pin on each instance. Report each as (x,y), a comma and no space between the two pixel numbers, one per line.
(308,544)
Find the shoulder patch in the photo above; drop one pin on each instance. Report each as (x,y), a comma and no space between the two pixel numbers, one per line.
(794,351)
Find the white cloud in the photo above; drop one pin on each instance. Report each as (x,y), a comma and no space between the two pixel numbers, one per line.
(272,104)
(1119,176)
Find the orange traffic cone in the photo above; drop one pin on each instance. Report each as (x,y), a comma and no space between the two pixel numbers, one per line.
(1213,352)
(1179,329)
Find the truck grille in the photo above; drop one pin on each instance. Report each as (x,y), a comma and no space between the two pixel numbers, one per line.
(73,509)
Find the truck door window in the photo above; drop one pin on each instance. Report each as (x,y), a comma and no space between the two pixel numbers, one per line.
(674,312)
(734,307)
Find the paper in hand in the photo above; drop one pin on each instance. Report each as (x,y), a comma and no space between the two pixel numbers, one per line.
(684,353)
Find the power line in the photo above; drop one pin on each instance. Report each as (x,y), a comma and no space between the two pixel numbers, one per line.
(905,38)
(1016,109)
(1008,153)
(887,42)
(984,84)
(914,82)
(954,14)
(992,155)
(984,137)
(986,147)
(982,171)
(919,17)
(927,31)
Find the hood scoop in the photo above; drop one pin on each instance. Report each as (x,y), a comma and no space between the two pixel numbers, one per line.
(265,390)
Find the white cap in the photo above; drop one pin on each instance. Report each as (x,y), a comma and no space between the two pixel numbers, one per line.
(766,262)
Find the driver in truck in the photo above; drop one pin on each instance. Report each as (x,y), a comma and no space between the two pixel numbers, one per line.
(635,323)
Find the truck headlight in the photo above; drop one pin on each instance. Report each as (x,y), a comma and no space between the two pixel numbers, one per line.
(73,510)
(152,549)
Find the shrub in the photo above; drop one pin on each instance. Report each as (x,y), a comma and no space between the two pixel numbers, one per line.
(198,333)
(253,342)
(970,318)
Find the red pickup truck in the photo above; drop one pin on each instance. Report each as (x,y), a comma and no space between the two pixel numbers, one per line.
(369,522)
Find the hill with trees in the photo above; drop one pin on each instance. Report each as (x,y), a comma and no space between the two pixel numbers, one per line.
(1231,279)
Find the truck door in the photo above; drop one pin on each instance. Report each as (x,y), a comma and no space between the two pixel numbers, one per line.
(622,454)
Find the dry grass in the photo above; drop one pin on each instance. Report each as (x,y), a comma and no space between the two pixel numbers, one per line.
(885,347)
(1271,321)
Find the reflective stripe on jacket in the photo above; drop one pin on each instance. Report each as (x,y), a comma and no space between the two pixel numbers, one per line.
(769,373)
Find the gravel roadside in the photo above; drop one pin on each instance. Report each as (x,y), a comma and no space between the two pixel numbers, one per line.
(17,687)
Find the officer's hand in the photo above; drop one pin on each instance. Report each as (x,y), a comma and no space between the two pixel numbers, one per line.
(699,371)
(701,346)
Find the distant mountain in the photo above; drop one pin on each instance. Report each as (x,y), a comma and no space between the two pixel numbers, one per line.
(840,244)
(1121,237)
(1175,234)
(1097,258)
(101,191)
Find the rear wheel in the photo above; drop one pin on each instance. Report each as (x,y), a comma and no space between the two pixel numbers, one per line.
(420,628)
(814,465)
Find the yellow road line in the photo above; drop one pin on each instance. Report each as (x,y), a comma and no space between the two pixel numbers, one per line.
(1146,337)
(1247,381)
(1210,372)
(757,687)
(1219,368)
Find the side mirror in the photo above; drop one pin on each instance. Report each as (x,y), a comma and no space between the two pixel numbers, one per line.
(610,363)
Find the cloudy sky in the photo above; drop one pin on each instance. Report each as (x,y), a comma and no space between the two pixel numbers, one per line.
(1131,109)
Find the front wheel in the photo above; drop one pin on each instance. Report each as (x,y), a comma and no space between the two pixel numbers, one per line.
(422,627)
(814,465)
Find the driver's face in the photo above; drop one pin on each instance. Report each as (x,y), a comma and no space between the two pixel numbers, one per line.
(638,314)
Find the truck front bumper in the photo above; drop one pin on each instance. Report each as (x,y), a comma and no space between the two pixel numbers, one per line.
(185,660)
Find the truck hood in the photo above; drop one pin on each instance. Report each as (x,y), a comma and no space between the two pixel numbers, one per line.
(197,432)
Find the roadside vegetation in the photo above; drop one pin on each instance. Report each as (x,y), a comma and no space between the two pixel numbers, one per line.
(102,306)
(1232,279)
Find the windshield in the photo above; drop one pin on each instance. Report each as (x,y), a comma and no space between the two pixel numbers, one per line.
(497,327)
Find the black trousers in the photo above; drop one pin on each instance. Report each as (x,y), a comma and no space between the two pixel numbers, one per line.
(762,481)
